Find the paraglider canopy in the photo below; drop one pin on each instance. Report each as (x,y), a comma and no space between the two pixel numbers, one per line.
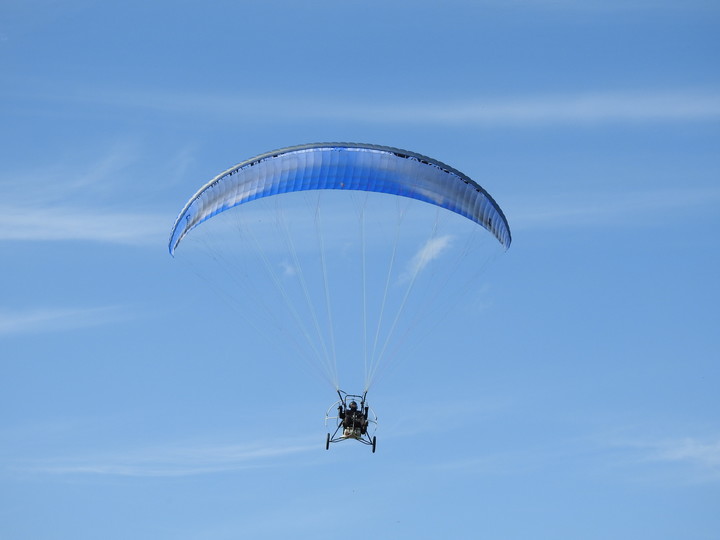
(343,166)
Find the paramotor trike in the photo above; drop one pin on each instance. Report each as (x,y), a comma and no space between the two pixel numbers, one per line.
(351,422)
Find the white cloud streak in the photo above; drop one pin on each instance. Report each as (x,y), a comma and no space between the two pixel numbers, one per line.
(39,320)
(78,202)
(603,6)
(563,109)
(691,451)
(58,222)
(654,459)
(175,461)
(431,250)
(607,209)
(569,109)
(689,459)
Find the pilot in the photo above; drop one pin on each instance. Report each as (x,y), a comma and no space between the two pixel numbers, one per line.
(352,419)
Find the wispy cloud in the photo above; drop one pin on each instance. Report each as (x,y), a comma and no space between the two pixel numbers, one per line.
(568,109)
(529,110)
(610,208)
(702,453)
(431,250)
(79,201)
(288,270)
(634,458)
(659,458)
(90,175)
(58,222)
(700,457)
(174,461)
(39,320)
(608,6)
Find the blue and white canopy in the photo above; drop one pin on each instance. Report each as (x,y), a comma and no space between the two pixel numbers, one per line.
(343,166)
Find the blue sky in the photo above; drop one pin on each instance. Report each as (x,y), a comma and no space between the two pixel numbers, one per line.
(577,398)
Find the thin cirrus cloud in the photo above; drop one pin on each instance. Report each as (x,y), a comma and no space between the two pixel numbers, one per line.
(700,453)
(691,459)
(78,201)
(582,108)
(431,250)
(685,459)
(611,208)
(173,461)
(564,109)
(58,222)
(40,320)
(520,110)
